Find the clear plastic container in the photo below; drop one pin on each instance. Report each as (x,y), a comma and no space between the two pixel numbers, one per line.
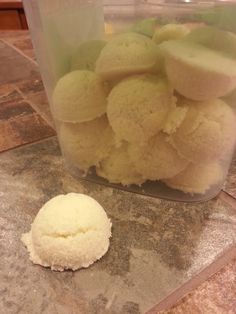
(142,92)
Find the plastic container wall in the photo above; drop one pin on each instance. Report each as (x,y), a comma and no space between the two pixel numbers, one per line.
(138,93)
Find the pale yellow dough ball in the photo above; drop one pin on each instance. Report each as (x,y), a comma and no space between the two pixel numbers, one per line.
(69,232)
(86,144)
(138,106)
(157,159)
(79,96)
(207,133)
(170,31)
(118,168)
(197,72)
(127,54)
(214,38)
(197,178)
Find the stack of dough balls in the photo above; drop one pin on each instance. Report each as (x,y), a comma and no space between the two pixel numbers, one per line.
(141,108)
(69,232)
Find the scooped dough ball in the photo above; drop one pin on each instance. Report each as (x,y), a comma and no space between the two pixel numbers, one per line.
(138,106)
(157,159)
(170,31)
(126,54)
(79,96)
(197,72)
(118,168)
(69,232)
(207,132)
(86,144)
(214,38)
(86,55)
(197,178)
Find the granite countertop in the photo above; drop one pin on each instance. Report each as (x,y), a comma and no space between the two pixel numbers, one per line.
(163,254)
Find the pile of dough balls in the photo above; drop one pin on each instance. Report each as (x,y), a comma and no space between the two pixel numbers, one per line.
(150,105)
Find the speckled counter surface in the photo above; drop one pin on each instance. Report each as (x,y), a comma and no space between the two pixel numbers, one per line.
(156,245)
(156,248)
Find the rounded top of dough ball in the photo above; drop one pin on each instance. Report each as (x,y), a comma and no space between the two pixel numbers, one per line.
(138,106)
(118,168)
(86,55)
(170,31)
(86,144)
(126,54)
(79,96)
(157,159)
(208,131)
(197,72)
(197,178)
(214,38)
(69,232)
